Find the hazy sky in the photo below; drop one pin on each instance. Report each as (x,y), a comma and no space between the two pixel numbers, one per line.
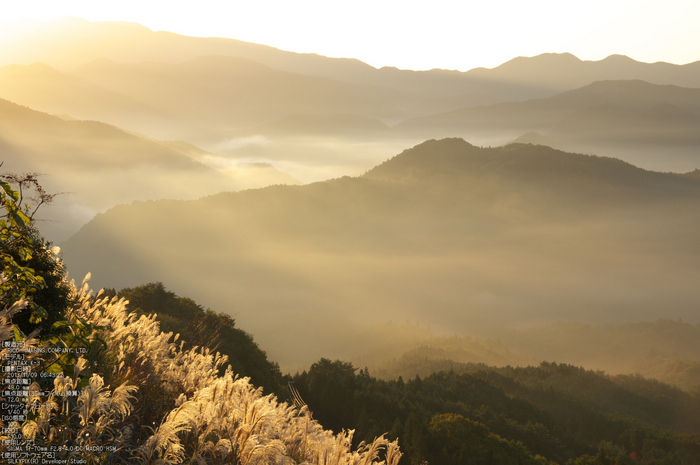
(416,35)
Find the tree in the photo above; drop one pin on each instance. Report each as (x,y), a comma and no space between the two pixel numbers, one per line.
(456,440)
(331,385)
(202,327)
(31,270)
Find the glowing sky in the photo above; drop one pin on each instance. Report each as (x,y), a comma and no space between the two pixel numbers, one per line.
(410,34)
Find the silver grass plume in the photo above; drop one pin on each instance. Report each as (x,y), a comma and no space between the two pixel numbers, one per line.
(218,419)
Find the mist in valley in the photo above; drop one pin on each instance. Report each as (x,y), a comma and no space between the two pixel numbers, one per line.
(454,237)
(298,258)
(297,193)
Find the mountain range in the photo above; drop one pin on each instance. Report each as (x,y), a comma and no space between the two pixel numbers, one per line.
(540,113)
(68,43)
(276,189)
(115,113)
(446,233)
(187,100)
(317,117)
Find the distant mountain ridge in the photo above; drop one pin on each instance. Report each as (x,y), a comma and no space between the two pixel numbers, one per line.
(21,126)
(256,96)
(518,165)
(536,113)
(632,120)
(184,100)
(662,124)
(555,69)
(518,79)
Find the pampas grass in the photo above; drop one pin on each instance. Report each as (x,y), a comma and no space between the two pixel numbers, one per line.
(169,405)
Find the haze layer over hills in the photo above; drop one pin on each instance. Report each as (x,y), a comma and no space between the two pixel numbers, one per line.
(257,104)
(446,233)
(450,236)
(97,166)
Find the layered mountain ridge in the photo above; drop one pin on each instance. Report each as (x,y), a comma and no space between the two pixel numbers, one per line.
(446,233)
(96,166)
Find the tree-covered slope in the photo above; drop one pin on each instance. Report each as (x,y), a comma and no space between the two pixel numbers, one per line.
(562,413)
(200,327)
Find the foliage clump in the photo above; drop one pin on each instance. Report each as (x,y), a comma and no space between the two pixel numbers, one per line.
(30,267)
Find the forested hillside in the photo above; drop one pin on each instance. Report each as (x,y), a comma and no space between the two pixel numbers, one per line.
(205,328)
(551,412)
